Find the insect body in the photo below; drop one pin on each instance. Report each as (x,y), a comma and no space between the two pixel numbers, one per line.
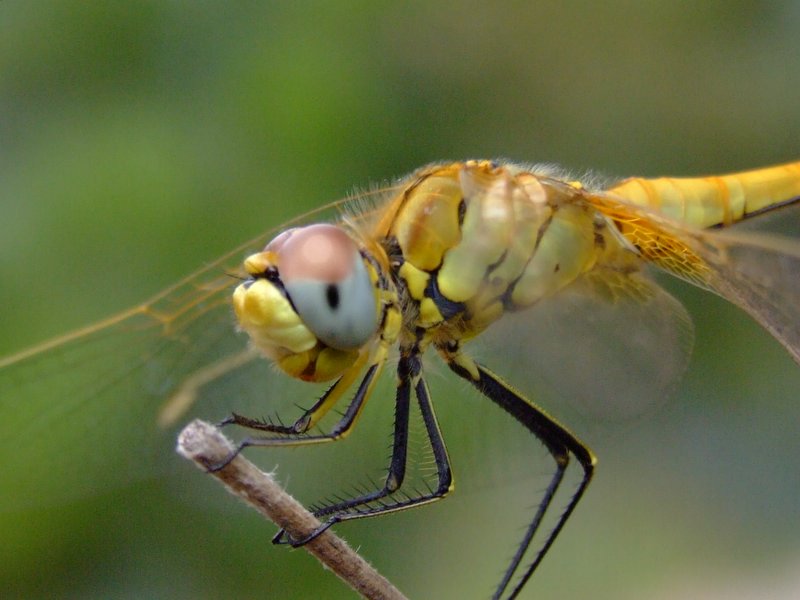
(429,264)
(453,250)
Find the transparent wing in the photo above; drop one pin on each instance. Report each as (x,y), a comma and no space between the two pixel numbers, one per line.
(615,343)
(79,414)
(612,345)
(757,272)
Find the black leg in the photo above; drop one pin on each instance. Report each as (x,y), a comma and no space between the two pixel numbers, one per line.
(302,424)
(559,442)
(379,501)
(294,435)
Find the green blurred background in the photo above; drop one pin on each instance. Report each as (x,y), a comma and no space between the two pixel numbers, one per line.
(140,140)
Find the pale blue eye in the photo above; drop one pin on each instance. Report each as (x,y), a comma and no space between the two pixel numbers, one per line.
(329,286)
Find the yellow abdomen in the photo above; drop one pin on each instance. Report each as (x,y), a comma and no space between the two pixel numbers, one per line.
(717,200)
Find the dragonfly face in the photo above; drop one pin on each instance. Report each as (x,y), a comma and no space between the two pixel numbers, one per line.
(434,262)
(310,303)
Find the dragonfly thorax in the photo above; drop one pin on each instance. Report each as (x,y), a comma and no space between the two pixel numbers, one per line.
(472,241)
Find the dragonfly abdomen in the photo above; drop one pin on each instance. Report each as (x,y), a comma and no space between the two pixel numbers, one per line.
(714,201)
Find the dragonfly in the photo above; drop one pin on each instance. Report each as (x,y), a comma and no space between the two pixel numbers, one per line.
(426,265)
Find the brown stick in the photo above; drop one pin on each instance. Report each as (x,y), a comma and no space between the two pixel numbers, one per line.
(206,446)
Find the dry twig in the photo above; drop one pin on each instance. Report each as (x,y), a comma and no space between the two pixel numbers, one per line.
(206,446)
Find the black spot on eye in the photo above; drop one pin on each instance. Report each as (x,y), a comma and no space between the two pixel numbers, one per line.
(332,296)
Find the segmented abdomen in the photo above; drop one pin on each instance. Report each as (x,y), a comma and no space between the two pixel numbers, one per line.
(718,200)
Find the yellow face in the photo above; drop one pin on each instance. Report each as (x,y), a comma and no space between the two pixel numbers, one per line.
(310,303)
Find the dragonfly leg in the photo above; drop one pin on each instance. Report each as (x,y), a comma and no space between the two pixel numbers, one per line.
(557,439)
(303,423)
(294,434)
(373,503)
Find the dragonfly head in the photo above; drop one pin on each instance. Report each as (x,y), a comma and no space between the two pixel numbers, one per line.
(310,303)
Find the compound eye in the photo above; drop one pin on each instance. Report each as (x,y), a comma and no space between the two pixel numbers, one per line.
(328,284)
